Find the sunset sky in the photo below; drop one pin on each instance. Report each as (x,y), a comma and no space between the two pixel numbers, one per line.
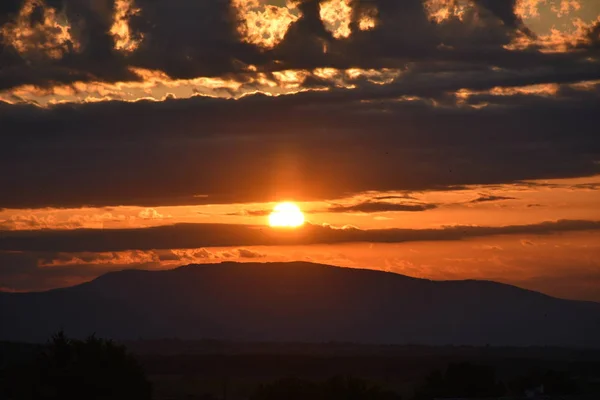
(441,139)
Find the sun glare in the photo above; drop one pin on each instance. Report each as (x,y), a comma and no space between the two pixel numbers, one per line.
(286,215)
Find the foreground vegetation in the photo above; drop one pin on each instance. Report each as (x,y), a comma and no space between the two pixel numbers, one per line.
(69,369)
(101,369)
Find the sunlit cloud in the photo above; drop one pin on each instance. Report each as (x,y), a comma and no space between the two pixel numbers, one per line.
(545,89)
(443,10)
(586,86)
(263,24)
(528,8)
(151,213)
(203,255)
(486,98)
(291,78)
(124,39)
(367,19)
(48,36)
(377,76)
(159,259)
(557,41)
(337,17)
(565,7)
(117,258)
(155,85)
(555,25)
(25,220)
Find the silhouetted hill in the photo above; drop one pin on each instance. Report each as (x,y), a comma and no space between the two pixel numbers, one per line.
(301,302)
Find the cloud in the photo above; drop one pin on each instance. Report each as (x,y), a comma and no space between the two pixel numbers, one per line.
(364,207)
(355,73)
(395,197)
(488,198)
(379,207)
(151,258)
(251,213)
(26,271)
(194,236)
(246,253)
(436,150)
(204,255)
(102,41)
(124,39)
(262,24)
(31,222)
(151,213)
(123,258)
(37,32)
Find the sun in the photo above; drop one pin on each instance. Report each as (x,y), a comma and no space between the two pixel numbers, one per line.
(286,215)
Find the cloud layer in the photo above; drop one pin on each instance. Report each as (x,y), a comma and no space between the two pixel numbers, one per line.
(181,236)
(45,42)
(381,95)
(321,145)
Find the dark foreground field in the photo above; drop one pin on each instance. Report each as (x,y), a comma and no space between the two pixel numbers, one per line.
(220,370)
(179,369)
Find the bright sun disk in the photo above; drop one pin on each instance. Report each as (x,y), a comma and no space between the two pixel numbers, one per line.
(286,215)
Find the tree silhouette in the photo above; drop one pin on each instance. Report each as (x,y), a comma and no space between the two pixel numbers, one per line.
(68,369)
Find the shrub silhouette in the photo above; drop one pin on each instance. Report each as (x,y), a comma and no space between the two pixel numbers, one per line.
(342,388)
(70,369)
(461,380)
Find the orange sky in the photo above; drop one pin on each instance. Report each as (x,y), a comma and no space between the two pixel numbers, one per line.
(485,205)
(556,264)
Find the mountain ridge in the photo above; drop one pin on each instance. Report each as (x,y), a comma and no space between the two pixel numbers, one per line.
(301,301)
(188,267)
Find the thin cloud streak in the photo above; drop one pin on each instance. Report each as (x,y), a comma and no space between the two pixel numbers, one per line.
(379,207)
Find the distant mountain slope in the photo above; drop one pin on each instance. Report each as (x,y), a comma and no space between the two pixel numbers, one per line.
(299,302)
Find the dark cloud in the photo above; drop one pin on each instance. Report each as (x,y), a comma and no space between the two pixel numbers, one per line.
(192,236)
(412,134)
(247,253)
(305,146)
(188,39)
(379,207)
(366,207)
(487,198)
(504,10)
(20,271)
(395,197)
(88,56)
(27,271)
(251,213)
